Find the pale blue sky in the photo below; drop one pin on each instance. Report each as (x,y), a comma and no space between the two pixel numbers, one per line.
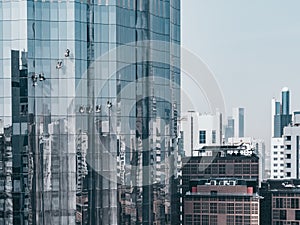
(253,48)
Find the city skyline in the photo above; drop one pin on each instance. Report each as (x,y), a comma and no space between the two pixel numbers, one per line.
(252,57)
(165,112)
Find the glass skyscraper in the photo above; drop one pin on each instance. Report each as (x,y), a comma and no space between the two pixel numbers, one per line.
(282,116)
(89,104)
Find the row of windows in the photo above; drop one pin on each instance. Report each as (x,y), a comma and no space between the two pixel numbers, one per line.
(285,223)
(276,153)
(282,215)
(201,220)
(221,169)
(287,156)
(287,147)
(213,220)
(275,159)
(292,203)
(203,138)
(226,208)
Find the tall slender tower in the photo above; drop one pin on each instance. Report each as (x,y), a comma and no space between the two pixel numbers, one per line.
(89,101)
(281,115)
(285,98)
(238,115)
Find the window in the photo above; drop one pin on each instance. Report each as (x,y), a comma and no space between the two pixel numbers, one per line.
(288,147)
(213,208)
(288,138)
(282,215)
(205,207)
(202,136)
(189,219)
(197,219)
(238,220)
(205,220)
(197,207)
(222,169)
(213,220)
(275,164)
(275,153)
(288,156)
(229,219)
(214,137)
(239,208)
(288,165)
(275,159)
(288,174)
(281,146)
(280,203)
(275,146)
(222,208)
(230,208)
(297,215)
(246,169)
(247,208)
(275,171)
(294,203)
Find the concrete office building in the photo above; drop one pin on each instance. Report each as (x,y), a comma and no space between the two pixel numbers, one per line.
(277,158)
(219,162)
(258,147)
(222,201)
(291,137)
(225,162)
(200,130)
(280,202)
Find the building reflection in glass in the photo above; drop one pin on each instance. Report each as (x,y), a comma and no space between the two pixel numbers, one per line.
(72,154)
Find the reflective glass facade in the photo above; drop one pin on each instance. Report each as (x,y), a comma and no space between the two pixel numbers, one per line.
(89,137)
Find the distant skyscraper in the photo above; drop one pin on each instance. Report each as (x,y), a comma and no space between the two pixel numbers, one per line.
(285,101)
(235,126)
(281,116)
(229,129)
(238,114)
(80,149)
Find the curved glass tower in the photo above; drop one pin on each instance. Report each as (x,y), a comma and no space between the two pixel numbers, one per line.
(89,103)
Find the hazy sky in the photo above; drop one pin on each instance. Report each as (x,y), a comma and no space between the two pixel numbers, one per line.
(253,48)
